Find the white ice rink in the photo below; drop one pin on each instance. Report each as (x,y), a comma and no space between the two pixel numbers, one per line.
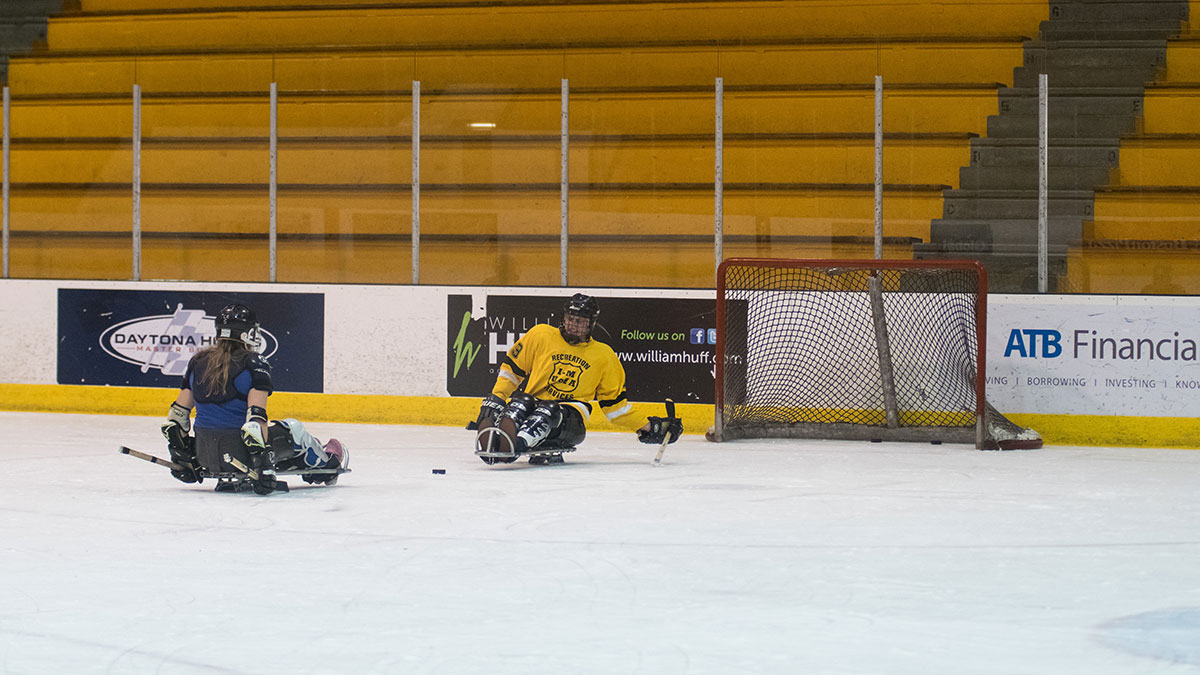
(748,557)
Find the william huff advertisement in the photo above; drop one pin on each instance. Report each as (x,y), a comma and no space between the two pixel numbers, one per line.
(146,338)
(666,344)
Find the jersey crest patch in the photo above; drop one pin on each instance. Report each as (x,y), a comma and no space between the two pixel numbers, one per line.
(564,379)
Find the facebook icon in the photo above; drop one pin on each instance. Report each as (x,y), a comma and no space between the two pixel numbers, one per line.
(697,336)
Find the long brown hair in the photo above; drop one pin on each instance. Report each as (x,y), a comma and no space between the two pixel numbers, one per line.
(218,361)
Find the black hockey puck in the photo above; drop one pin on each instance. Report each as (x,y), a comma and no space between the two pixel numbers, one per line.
(439,471)
(876,440)
(935,442)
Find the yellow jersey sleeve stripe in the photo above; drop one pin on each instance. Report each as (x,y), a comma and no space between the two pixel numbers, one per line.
(617,412)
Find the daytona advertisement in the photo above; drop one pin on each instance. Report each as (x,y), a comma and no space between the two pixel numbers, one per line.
(146,338)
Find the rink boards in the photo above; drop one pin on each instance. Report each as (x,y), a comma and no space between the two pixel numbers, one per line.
(1101,370)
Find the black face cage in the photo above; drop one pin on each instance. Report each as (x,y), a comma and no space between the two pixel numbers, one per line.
(591,323)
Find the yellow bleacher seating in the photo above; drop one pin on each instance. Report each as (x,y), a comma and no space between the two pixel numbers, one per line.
(561,25)
(828,63)
(797,113)
(1145,232)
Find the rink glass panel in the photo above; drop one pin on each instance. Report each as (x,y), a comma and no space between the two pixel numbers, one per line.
(797,162)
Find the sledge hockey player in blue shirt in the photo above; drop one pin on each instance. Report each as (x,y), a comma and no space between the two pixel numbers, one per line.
(228,384)
(545,387)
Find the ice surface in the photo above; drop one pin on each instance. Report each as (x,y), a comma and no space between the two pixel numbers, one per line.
(747,557)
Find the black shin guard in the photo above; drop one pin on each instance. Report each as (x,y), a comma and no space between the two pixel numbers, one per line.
(545,419)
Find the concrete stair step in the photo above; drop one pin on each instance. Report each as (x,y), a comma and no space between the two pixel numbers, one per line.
(1026,178)
(1072,101)
(19,35)
(1015,204)
(1023,152)
(1011,269)
(1112,75)
(1052,57)
(35,8)
(1061,231)
(1073,112)
(1109,31)
(1061,126)
(1131,12)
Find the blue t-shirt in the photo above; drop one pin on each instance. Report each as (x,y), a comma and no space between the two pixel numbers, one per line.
(226,409)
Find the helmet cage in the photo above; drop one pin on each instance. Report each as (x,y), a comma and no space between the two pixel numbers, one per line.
(583,306)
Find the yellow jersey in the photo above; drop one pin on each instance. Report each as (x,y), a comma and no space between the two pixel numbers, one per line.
(552,369)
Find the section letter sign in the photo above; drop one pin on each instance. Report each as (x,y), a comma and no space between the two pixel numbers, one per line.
(665,344)
(146,338)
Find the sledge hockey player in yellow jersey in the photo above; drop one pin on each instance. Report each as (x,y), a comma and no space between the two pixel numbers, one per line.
(544,392)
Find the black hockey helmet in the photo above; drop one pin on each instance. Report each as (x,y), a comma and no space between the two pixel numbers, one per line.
(239,323)
(583,306)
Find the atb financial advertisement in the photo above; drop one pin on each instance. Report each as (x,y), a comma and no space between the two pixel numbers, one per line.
(1095,356)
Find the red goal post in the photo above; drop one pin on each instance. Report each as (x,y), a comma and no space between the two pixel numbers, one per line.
(856,349)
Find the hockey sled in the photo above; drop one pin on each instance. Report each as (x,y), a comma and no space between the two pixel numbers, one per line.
(282,472)
(234,478)
(494,445)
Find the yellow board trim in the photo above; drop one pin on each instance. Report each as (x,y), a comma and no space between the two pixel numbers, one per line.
(1103,430)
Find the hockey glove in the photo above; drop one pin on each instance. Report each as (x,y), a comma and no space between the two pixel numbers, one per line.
(178,417)
(489,410)
(254,431)
(660,428)
(180,445)
(183,453)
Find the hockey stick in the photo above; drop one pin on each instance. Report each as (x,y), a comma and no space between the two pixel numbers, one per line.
(237,464)
(252,474)
(152,459)
(666,439)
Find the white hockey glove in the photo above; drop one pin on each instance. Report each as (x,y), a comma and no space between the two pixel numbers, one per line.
(254,431)
(177,416)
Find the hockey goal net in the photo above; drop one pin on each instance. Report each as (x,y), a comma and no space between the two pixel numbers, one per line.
(872,350)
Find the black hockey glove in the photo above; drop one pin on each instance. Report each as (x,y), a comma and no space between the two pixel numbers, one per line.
(660,428)
(489,410)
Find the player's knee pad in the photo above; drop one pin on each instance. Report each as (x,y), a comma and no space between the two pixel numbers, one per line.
(548,411)
(293,444)
(541,423)
(279,440)
(571,430)
(520,406)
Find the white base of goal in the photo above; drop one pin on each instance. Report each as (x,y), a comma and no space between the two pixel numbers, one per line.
(1001,433)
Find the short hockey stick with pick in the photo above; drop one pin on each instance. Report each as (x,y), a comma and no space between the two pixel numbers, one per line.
(666,439)
(152,459)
